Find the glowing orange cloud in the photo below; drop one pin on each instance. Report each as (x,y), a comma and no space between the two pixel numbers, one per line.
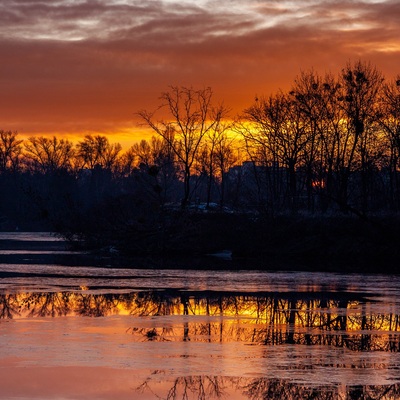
(78,68)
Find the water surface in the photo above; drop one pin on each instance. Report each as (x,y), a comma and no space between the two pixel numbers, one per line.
(92,333)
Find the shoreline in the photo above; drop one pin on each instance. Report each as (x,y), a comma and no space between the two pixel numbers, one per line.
(232,242)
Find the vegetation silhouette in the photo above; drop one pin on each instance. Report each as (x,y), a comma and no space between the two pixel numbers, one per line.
(305,176)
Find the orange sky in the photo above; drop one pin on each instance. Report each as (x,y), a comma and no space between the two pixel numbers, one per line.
(75,67)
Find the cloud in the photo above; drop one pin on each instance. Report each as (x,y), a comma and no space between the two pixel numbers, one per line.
(74,66)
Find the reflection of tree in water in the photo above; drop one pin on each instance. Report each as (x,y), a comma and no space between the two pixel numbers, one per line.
(211,387)
(328,319)
(262,388)
(46,304)
(57,304)
(95,305)
(192,387)
(373,392)
(334,319)
(282,389)
(274,319)
(8,306)
(155,303)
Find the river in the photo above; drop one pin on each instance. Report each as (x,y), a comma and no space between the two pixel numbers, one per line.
(84,332)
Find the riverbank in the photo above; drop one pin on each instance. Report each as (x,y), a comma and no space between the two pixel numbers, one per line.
(228,242)
(232,241)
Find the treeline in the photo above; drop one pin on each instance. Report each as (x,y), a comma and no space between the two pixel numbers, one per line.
(336,137)
(330,144)
(42,179)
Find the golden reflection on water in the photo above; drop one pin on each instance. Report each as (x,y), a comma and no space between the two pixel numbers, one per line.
(273,329)
(269,319)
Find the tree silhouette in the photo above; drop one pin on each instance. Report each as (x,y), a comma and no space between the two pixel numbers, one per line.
(49,155)
(361,84)
(10,150)
(97,150)
(191,117)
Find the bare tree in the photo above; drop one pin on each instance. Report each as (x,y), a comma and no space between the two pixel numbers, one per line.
(48,155)
(154,161)
(340,118)
(310,93)
(127,163)
(10,150)
(361,84)
(225,158)
(214,157)
(191,116)
(90,150)
(390,124)
(279,130)
(97,150)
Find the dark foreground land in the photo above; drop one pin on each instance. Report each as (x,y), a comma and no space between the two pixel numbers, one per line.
(231,241)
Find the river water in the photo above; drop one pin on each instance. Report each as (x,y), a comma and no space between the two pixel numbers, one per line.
(85,332)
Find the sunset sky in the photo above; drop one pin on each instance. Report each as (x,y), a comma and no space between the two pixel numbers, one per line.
(75,67)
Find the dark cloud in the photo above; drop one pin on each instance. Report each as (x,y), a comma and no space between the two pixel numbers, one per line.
(74,66)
